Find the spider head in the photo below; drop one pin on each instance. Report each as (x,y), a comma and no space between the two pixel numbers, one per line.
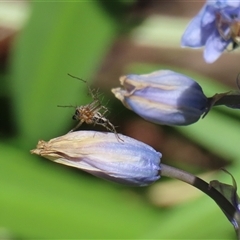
(76,116)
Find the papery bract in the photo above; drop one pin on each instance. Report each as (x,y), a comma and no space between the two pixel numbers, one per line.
(102,154)
(163,97)
(230,193)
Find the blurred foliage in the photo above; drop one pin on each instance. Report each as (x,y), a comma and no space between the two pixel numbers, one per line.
(40,199)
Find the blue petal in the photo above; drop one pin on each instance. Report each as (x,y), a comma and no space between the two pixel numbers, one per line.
(233,4)
(208,16)
(162,77)
(192,35)
(138,164)
(222,4)
(214,47)
(164,113)
(199,28)
(217,3)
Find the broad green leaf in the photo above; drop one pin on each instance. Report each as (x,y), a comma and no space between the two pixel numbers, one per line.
(59,38)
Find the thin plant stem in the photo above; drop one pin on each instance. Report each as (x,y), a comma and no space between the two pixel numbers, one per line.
(228,209)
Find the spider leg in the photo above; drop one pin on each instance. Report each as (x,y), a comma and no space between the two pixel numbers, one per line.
(77,126)
(77,78)
(114,130)
(223,35)
(220,21)
(107,124)
(91,91)
(71,106)
(94,93)
(95,106)
(105,110)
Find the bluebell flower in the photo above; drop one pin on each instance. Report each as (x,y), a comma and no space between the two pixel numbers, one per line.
(163,97)
(128,161)
(215,26)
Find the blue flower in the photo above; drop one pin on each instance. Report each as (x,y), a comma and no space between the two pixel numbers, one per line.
(163,97)
(128,162)
(215,26)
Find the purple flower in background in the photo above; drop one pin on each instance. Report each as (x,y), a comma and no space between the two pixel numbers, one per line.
(215,26)
(163,97)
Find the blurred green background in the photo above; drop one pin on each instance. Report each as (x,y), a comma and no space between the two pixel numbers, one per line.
(98,41)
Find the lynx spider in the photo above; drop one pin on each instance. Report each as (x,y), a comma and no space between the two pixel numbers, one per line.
(92,113)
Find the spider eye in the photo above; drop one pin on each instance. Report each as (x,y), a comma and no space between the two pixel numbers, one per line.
(76,115)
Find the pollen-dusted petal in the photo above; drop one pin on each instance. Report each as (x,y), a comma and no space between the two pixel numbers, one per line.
(102,154)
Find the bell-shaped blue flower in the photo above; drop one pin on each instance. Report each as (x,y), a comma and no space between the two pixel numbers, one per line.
(128,161)
(163,97)
(215,26)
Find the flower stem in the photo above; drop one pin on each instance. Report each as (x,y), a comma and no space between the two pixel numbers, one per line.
(203,186)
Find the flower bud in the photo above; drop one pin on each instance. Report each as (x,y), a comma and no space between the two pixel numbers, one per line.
(163,97)
(103,155)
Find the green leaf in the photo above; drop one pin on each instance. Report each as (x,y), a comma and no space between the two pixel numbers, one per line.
(68,37)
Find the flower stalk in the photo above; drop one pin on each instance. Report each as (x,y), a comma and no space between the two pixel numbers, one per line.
(226,206)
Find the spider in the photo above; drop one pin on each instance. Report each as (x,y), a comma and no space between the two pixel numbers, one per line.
(92,113)
(234,30)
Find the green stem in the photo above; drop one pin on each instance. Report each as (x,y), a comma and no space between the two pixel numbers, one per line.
(228,209)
